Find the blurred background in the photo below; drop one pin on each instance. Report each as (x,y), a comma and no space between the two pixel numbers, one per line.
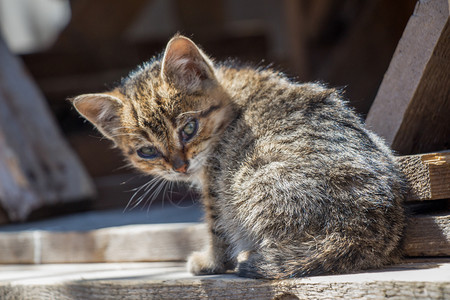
(84,46)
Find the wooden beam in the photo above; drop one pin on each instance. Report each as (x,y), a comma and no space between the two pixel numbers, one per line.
(365,35)
(411,280)
(160,242)
(411,110)
(37,167)
(425,235)
(428,175)
(428,236)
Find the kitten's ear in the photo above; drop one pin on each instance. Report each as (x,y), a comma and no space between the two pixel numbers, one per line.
(185,65)
(102,110)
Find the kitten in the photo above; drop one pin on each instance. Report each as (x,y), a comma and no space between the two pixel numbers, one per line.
(292,183)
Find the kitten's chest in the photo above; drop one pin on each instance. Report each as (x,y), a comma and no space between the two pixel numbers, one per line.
(228,159)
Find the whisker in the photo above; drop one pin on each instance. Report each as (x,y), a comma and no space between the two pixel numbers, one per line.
(125,166)
(154,195)
(145,184)
(155,187)
(165,191)
(136,202)
(141,198)
(178,203)
(125,134)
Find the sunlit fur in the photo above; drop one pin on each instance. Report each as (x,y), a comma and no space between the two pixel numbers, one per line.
(291,181)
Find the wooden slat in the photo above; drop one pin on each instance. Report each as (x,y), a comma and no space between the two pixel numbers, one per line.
(413,280)
(37,167)
(426,235)
(161,242)
(428,175)
(411,110)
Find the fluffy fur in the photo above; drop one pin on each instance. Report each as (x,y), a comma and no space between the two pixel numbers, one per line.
(292,182)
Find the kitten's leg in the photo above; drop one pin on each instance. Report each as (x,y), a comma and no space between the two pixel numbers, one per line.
(213,259)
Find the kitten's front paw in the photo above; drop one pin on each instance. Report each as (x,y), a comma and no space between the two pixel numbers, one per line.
(202,263)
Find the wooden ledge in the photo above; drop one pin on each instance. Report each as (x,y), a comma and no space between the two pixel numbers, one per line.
(426,235)
(412,280)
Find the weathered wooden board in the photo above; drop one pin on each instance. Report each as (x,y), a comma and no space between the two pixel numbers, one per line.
(413,280)
(37,167)
(412,107)
(428,175)
(428,236)
(425,235)
(363,46)
(158,242)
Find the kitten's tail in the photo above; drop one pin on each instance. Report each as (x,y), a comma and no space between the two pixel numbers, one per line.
(328,256)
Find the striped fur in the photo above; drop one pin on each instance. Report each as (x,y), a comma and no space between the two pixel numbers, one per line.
(292,182)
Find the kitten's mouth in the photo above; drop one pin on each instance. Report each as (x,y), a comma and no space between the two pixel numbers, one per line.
(190,172)
(182,176)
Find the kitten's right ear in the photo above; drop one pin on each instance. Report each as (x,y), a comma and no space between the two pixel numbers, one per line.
(185,65)
(102,110)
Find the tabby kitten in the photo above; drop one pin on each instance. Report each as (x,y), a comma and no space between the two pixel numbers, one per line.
(292,183)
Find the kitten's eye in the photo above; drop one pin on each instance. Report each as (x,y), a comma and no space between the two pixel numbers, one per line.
(147,152)
(189,130)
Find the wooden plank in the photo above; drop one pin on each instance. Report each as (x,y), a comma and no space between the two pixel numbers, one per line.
(364,35)
(160,242)
(37,167)
(428,175)
(411,110)
(425,235)
(411,280)
(428,236)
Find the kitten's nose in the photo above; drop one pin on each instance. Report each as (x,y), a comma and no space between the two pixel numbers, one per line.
(180,165)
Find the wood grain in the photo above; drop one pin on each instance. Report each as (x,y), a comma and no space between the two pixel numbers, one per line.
(427,235)
(411,280)
(158,242)
(411,110)
(428,175)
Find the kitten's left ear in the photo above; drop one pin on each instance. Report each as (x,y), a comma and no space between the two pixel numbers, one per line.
(102,110)
(185,65)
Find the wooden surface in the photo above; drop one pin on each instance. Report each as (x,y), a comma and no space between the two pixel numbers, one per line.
(427,235)
(428,175)
(37,168)
(157,242)
(411,280)
(412,107)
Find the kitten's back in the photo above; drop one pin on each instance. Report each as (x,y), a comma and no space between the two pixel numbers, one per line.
(300,171)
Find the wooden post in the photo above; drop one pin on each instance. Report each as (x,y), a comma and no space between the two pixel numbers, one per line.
(412,107)
(37,167)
